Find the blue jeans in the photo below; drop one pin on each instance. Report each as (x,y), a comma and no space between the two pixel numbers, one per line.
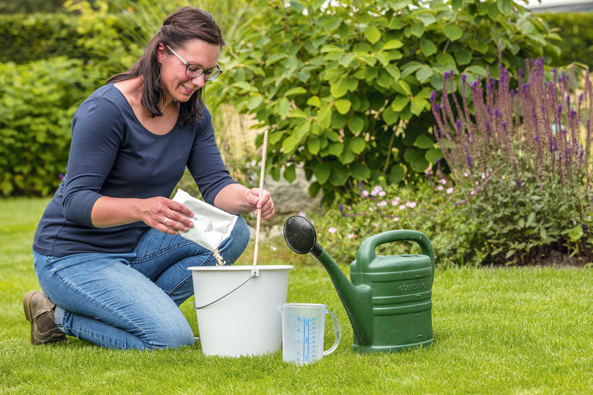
(131,300)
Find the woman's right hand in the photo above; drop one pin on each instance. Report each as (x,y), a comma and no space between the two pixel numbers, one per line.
(166,215)
(154,212)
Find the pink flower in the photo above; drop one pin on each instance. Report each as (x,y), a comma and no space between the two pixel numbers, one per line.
(484,175)
(365,193)
(302,214)
(466,174)
(402,207)
(370,209)
(472,193)
(382,193)
(376,225)
(443,181)
(374,192)
(477,183)
(440,188)
(350,235)
(381,204)
(273,248)
(411,204)
(396,219)
(332,230)
(450,191)
(394,202)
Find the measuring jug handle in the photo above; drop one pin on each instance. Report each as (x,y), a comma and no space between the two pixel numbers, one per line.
(337,332)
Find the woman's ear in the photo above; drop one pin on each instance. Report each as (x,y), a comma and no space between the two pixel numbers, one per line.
(160,52)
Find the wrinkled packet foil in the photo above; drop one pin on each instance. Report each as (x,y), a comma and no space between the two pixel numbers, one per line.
(211,225)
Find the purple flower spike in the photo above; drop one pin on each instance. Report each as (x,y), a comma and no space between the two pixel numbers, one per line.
(438,161)
(341,207)
(436,132)
(585,229)
(433,96)
(463,78)
(61,176)
(568,100)
(518,183)
(520,72)
(537,139)
(470,162)
(360,187)
(458,125)
(512,93)
(437,107)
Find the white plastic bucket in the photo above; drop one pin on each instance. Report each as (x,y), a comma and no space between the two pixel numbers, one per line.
(236,308)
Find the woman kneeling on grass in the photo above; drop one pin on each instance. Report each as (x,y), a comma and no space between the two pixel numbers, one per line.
(107,251)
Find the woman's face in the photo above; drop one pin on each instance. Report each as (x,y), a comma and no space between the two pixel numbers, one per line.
(176,85)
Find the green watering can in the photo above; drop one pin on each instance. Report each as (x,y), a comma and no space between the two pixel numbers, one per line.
(388,301)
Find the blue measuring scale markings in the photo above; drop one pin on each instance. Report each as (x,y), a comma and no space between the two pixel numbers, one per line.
(306,339)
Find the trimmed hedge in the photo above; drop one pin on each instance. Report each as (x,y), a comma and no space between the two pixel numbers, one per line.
(37,102)
(27,38)
(576,30)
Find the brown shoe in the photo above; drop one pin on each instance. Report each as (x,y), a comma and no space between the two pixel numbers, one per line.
(40,311)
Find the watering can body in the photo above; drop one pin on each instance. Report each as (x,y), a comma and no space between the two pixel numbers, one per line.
(401,289)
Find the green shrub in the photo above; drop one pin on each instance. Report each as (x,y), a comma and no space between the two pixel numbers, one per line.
(344,87)
(37,102)
(576,30)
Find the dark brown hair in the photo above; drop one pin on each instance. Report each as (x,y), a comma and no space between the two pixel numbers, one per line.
(185,24)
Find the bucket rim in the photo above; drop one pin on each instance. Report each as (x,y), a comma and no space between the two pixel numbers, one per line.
(239,268)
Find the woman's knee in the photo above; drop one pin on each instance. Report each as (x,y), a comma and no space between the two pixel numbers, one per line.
(172,337)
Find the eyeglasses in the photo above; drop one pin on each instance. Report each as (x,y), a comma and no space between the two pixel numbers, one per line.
(193,71)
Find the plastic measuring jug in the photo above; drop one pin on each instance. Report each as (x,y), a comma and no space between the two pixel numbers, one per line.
(303,326)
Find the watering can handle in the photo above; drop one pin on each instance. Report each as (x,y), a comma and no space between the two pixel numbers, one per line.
(366,252)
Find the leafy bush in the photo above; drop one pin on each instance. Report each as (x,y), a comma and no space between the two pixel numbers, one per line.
(37,102)
(344,87)
(521,161)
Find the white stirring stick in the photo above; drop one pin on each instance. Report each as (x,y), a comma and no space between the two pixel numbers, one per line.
(261,188)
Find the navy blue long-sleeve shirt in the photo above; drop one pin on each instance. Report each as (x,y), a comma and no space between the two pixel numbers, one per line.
(113,154)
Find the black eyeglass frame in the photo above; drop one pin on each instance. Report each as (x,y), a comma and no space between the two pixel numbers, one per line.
(188,65)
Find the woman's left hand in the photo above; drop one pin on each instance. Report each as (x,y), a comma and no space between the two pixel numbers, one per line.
(264,202)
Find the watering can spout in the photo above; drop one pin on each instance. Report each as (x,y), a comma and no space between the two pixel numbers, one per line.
(301,237)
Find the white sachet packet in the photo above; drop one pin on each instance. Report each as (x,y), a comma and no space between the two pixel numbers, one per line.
(211,225)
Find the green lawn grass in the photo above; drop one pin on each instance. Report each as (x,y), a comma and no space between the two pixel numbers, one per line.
(503,331)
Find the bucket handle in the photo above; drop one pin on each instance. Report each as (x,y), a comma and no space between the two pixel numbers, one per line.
(254,273)
(337,333)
